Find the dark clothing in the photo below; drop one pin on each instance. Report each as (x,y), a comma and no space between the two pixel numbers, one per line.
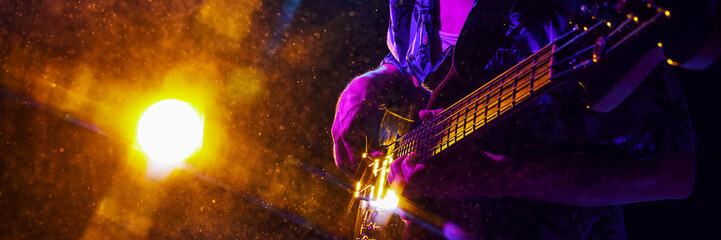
(653,121)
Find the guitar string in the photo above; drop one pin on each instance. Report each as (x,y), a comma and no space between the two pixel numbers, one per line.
(485,94)
(451,138)
(528,60)
(486,91)
(466,106)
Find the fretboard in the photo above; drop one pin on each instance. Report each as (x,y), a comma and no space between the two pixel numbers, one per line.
(499,96)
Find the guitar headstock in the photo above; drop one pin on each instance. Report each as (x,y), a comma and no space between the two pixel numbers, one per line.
(615,44)
(604,27)
(688,32)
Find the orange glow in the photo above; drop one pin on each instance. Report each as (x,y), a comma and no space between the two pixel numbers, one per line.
(244,84)
(103,62)
(232,19)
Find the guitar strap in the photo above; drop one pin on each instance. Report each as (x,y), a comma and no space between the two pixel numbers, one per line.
(484,31)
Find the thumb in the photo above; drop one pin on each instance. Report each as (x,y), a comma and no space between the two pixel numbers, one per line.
(428,114)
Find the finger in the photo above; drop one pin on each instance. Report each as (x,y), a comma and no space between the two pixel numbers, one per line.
(409,164)
(395,177)
(428,114)
(425,115)
(396,170)
(415,173)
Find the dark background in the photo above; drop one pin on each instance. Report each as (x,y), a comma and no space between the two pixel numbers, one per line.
(75,76)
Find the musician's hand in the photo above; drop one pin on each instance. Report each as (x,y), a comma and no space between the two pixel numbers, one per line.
(459,176)
(357,117)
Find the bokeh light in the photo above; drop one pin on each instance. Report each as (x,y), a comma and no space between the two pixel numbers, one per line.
(170,131)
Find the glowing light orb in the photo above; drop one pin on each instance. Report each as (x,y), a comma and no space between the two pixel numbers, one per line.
(170,131)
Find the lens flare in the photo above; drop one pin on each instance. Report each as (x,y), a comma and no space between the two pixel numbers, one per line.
(170,131)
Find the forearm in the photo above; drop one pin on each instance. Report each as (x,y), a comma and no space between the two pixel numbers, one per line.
(591,180)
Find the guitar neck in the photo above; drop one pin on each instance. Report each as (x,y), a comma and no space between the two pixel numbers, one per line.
(508,91)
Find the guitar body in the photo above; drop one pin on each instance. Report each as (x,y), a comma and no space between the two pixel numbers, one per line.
(432,217)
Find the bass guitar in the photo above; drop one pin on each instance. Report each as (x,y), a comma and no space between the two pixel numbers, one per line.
(612,48)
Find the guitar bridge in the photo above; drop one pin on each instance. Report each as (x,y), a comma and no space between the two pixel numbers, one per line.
(377,203)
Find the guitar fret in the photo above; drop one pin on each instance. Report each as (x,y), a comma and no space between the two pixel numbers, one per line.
(492,108)
(403,150)
(409,149)
(485,120)
(515,82)
(533,77)
(481,114)
(457,121)
(500,94)
(411,144)
(461,125)
(462,122)
(447,130)
(444,135)
(471,116)
(452,124)
(543,79)
(506,97)
(434,138)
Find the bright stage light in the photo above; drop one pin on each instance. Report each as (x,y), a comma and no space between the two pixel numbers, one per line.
(170,131)
(389,202)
